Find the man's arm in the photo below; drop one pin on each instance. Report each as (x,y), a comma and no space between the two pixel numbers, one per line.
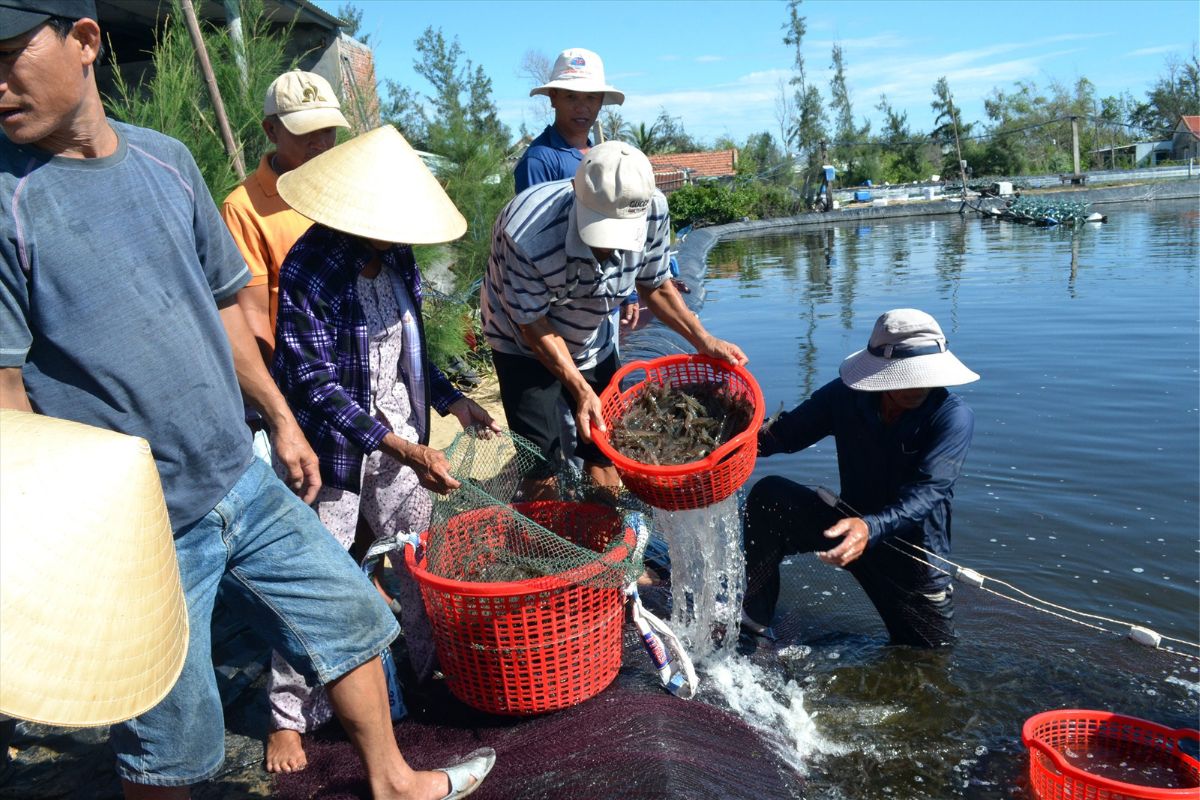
(12,390)
(303,469)
(256,306)
(667,304)
(937,472)
(551,350)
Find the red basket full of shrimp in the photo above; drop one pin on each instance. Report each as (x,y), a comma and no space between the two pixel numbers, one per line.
(1099,755)
(686,436)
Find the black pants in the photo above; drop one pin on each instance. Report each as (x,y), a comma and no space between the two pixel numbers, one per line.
(530,393)
(783,517)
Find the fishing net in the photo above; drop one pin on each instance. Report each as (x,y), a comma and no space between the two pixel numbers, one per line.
(525,599)
(484,533)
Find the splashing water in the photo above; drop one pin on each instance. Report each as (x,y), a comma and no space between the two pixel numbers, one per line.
(772,704)
(708,575)
(708,582)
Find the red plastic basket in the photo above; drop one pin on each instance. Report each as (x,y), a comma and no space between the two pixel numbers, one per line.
(535,645)
(700,483)
(1052,777)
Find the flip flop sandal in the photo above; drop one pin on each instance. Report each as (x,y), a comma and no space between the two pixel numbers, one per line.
(476,765)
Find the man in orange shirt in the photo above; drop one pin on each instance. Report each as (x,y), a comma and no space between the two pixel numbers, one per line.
(301,116)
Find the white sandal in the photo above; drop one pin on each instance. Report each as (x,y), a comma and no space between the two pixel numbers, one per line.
(476,765)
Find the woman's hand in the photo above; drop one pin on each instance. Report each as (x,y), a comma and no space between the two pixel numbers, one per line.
(431,466)
(472,415)
(433,470)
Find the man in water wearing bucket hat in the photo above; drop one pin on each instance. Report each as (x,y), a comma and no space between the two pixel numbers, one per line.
(901,440)
(117,309)
(564,255)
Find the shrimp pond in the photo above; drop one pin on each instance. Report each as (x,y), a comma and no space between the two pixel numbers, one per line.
(1081,487)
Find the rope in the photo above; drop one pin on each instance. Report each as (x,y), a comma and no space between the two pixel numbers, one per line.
(978,579)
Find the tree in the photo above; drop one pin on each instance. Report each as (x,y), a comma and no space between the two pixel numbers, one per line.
(949,128)
(785,112)
(847,133)
(536,67)
(643,138)
(1175,94)
(903,158)
(808,131)
(352,16)
(461,91)
(760,157)
(671,137)
(613,124)
(172,97)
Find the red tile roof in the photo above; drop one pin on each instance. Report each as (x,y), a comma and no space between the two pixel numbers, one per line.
(712,164)
(1192,123)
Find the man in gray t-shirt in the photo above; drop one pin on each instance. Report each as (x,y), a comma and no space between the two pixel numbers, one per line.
(117,309)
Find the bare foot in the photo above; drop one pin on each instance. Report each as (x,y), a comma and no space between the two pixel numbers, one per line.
(285,753)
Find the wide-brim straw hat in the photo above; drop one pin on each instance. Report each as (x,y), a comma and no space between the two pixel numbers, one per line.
(93,624)
(907,350)
(579,70)
(375,186)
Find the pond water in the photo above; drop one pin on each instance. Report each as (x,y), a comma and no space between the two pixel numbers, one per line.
(1081,487)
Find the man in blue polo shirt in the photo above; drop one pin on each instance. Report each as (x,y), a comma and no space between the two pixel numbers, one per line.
(576,90)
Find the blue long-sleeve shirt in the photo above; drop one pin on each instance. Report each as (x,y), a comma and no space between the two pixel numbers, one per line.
(899,477)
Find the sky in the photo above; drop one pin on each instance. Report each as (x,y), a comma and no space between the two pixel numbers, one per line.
(717,65)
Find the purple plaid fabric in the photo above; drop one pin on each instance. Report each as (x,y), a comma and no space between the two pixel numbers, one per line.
(321,359)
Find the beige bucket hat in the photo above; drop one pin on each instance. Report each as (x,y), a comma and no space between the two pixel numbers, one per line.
(375,186)
(304,102)
(579,70)
(907,350)
(614,185)
(93,625)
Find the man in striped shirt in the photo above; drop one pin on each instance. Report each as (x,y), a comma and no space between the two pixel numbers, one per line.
(564,255)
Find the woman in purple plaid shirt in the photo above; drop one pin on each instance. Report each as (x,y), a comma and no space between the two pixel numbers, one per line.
(350,358)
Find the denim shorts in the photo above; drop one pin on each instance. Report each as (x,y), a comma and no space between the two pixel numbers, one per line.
(292,582)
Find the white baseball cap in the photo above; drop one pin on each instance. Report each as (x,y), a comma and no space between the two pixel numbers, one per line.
(614,185)
(579,70)
(304,102)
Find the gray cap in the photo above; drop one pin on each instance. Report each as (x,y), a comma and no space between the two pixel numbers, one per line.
(21,16)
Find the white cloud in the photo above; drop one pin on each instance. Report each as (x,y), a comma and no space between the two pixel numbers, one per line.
(1154,51)
(708,59)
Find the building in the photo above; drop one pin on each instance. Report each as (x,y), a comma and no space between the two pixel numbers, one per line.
(315,41)
(676,170)
(1185,144)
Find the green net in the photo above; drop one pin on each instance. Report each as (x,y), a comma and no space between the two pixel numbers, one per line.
(485,532)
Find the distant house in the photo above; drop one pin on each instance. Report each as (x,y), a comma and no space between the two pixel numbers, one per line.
(1137,154)
(315,41)
(675,170)
(1185,143)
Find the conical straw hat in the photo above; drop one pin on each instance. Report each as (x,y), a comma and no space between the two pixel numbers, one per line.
(376,186)
(93,626)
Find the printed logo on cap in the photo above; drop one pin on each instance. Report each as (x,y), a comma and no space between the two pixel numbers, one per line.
(578,61)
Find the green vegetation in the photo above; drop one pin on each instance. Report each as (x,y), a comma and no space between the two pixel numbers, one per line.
(1027,130)
(175,99)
